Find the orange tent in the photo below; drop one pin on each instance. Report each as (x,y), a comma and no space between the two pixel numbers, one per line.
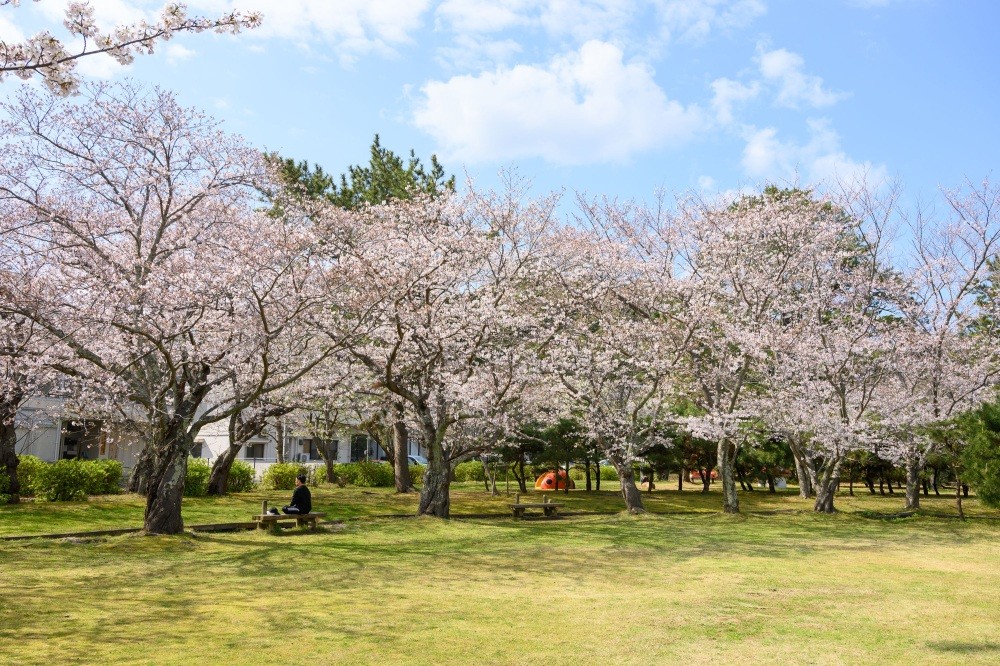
(548,481)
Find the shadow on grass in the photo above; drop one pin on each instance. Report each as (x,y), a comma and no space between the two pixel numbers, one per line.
(963,647)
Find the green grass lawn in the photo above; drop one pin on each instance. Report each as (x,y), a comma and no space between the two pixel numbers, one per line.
(683,584)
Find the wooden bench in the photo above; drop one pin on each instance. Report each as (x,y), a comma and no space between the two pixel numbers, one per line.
(547,507)
(269,521)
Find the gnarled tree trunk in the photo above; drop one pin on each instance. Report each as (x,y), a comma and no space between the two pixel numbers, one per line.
(630,492)
(8,455)
(138,480)
(435,497)
(803,468)
(727,459)
(826,488)
(166,483)
(914,467)
(401,466)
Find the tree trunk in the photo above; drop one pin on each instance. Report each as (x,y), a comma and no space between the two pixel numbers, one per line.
(801,468)
(958,497)
(329,455)
(770,483)
(401,462)
(279,440)
(826,489)
(166,485)
(434,494)
(913,470)
(8,457)
(587,467)
(597,476)
(727,457)
(521,481)
(934,481)
(706,480)
(218,480)
(565,485)
(138,480)
(626,474)
(680,480)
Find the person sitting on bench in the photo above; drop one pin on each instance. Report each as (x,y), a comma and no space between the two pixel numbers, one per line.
(301,498)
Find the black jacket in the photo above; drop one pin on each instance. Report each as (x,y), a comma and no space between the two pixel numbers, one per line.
(302,499)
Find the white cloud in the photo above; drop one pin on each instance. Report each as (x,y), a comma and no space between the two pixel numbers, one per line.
(107,13)
(694,20)
(483,16)
(9,32)
(821,158)
(178,52)
(588,106)
(727,93)
(588,19)
(795,86)
(469,52)
(351,27)
(706,183)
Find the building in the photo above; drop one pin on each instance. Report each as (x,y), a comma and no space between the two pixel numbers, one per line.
(51,438)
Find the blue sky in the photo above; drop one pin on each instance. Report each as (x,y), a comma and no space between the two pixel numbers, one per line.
(616,97)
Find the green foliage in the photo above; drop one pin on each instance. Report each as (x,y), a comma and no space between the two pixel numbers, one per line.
(281,476)
(470,470)
(981,457)
(67,480)
(242,477)
(28,469)
(366,474)
(105,477)
(387,176)
(417,473)
(608,473)
(196,479)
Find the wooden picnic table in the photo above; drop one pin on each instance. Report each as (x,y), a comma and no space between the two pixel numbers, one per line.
(269,521)
(547,507)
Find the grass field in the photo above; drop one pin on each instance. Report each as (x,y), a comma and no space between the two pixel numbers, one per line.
(683,584)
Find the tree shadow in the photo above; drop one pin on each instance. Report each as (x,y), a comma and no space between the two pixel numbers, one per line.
(964,647)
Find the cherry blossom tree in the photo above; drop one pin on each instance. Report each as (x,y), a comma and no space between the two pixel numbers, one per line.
(953,361)
(437,299)
(48,57)
(156,267)
(616,344)
(750,264)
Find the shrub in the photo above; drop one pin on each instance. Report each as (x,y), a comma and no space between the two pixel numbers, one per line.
(281,476)
(27,473)
(608,473)
(242,477)
(366,474)
(62,481)
(68,480)
(417,473)
(196,480)
(471,470)
(105,477)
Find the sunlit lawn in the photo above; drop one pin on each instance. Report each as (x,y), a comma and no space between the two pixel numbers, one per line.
(686,584)
(468,499)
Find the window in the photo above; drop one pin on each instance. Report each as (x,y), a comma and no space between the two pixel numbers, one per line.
(255,450)
(359,447)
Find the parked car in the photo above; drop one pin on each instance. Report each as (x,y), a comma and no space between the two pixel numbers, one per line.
(417,460)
